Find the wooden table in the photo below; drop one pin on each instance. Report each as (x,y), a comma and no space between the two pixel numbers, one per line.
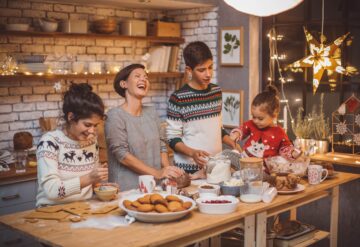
(344,159)
(194,227)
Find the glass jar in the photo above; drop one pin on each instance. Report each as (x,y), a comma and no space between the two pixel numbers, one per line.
(218,169)
(251,173)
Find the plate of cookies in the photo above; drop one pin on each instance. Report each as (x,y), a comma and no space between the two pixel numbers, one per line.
(156,207)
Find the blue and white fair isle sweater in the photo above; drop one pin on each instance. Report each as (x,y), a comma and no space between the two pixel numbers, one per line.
(194,118)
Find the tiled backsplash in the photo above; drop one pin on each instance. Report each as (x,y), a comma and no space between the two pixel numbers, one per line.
(23,102)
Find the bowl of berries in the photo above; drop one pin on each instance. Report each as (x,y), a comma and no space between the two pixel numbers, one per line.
(217,204)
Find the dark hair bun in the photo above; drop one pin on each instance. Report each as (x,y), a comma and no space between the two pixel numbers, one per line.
(82,88)
(272,89)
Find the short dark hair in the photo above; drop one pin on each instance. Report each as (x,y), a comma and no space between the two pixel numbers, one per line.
(82,102)
(196,53)
(123,75)
(270,99)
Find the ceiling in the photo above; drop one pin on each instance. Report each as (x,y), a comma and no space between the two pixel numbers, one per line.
(147,4)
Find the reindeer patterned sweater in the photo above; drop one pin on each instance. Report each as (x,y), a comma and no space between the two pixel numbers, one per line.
(61,162)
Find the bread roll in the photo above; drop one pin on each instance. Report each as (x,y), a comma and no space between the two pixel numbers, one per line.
(23,140)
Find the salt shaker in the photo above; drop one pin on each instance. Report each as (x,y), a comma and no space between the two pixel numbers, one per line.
(269,194)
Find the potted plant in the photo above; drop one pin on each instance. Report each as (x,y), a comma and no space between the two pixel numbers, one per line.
(302,129)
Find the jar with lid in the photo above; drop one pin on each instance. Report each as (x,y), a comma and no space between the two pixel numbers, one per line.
(251,173)
(218,169)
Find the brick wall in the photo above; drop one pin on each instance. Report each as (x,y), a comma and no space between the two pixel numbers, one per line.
(23,102)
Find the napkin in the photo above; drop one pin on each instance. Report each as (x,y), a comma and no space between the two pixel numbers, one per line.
(105,223)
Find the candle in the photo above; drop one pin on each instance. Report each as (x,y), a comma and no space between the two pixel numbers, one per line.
(285,118)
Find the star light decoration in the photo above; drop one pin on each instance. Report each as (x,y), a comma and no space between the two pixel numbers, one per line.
(323,57)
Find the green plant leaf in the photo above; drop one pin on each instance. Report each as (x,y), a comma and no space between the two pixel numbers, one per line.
(227,37)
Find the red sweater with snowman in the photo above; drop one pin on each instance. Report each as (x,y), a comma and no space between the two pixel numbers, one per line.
(263,143)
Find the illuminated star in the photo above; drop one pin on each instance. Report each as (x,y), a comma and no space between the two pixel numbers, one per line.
(57,86)
(323,57)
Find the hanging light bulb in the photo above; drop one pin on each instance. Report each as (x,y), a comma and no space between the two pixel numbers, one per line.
(263,7)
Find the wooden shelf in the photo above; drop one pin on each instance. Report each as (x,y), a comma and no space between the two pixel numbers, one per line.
(7,78)
(153,39)
(319,235)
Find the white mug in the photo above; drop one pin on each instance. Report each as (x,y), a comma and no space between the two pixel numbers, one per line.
(78,67)
(95,67)
(146,183)
(315,173)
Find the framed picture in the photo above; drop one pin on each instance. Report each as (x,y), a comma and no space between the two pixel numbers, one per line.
(232,46)
(232,108)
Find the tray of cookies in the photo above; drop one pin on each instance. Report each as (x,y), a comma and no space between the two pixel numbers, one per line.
(156,207)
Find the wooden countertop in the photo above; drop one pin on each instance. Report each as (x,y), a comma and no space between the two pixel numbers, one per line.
(338,158)
(192,227)
(11,176)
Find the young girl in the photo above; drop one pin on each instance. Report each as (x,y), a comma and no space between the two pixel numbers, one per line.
(265,138)
(68,158)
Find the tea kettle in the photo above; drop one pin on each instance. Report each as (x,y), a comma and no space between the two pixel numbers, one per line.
(48,25)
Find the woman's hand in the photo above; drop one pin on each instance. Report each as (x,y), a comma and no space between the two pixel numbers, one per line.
(200,174)
(170,172)
(200,157)
(98,174)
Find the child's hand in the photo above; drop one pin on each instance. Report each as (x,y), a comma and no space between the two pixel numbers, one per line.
(296,153)
(234,135)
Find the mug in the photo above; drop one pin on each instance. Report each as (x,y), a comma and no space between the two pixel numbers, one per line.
(78,67)
(146,183)
(315,173)
(94,67)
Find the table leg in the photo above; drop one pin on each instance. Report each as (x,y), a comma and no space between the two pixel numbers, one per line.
(249,235)
(293,214)
(261,219)
(334,216)
(215,241)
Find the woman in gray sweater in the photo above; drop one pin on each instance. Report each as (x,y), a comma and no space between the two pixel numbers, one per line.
(136,145)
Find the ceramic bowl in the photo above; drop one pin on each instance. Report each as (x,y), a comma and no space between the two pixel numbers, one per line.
(106,192)
(209,188)
(217,204)
(232,190)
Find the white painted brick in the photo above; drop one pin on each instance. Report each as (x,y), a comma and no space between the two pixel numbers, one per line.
(141,15)
(11,117)
(213,23)
(52,113)
(158,99)
(114,95)
(204,23)
(5,145)
(10,12)
(4,91)
(141,44)
(65,41)
(34,98)
(85,42)
(106,88)
(124,58)
(110,103)
(20,90)
(48,41)
(20,40)
(24,107)
(212,44)
(95,50)
(33,13)
(30,115)
(58,15)
(27,20)
(35,132)
(104,96)
(4,127)
(139,51)
(42,6)
(210,15)
(79,17)
(53,97)
(191,11)
(208,37)
(10,99)
(204,30)
(105,12)
(194,17)
(32,48)
(102,57)
(86,58)
(187,32)
(55,49)
(75,49)
(5,108)
(115,50)
(36,124)
(190,24)
(42,106)
(9,48)
(86,10)
(64,8)
(123,43)
(21,125)
(104,42)
(44,90)
(7,136)
(123,13)
(128,50)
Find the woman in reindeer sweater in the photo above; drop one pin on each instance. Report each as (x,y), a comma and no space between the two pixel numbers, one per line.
(68,159)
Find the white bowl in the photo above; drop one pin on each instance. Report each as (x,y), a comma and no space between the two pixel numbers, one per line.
(217,208)
(155,217)
(214,190)
(17,27)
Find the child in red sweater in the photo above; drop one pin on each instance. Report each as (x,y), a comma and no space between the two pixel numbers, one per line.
(265,138)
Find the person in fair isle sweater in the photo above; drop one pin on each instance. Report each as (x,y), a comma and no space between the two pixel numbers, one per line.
(194,129)
(68,159)
(264,137)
